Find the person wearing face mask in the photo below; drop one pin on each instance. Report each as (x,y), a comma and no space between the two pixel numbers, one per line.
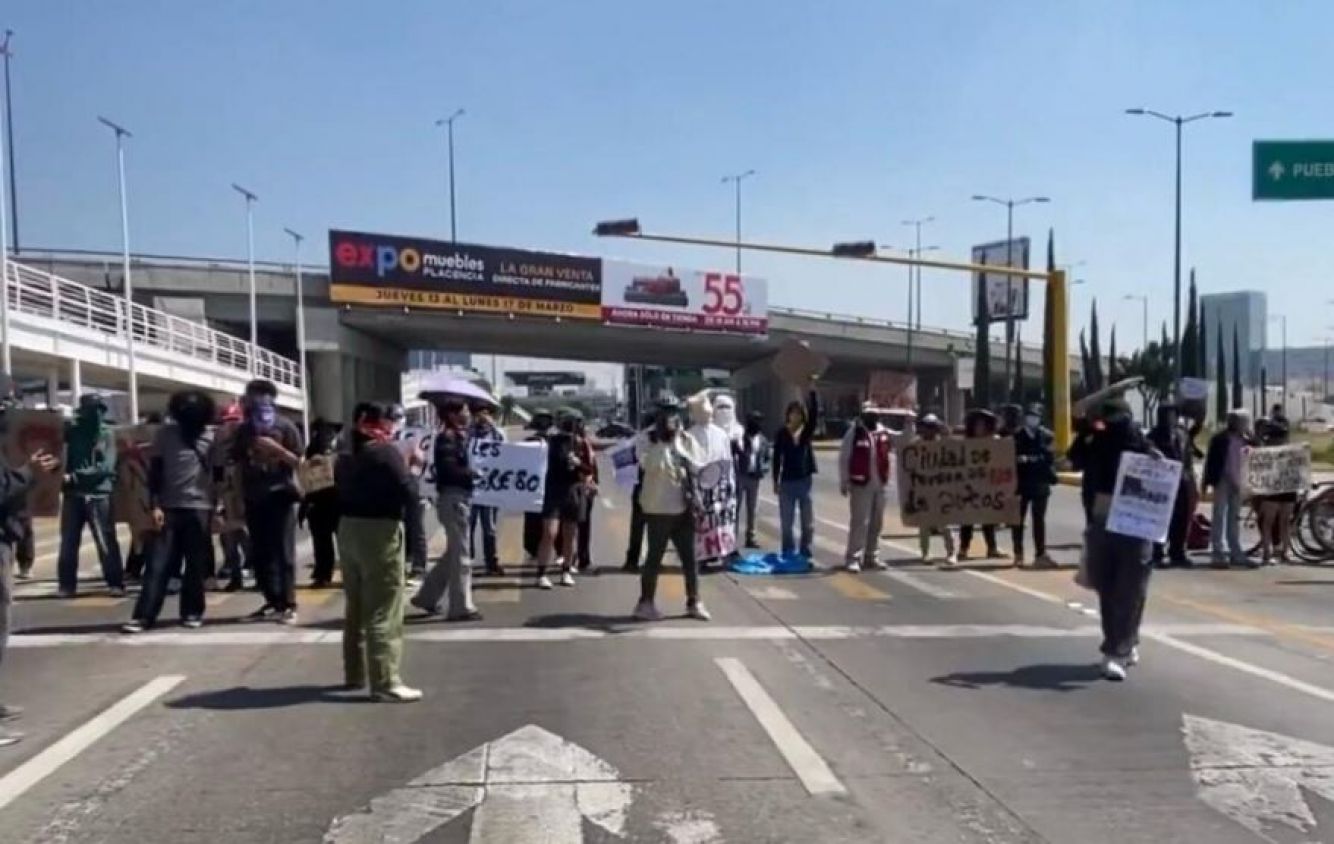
(929,429)
(863,476)
(1118,566)
(724,416)
(1223,472)
(484,428)
(454,477)
(267,448)
(541,426)
(665,455)
(714,505)
(752,456)
(414,518)
(979,424)
(1174,441)
(794,471)
(90,475)
(1035,462)
(562,501)
(182,486)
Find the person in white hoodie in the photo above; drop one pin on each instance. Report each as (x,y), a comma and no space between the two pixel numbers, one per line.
(714,503)
(724,416)
(667,460)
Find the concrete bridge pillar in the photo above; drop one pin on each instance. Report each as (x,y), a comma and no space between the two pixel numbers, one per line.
(75,380)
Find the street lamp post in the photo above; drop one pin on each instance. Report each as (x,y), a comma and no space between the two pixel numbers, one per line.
(915,273)
(250,200)
(1177,121)
(8,52)
(448,123)
(736,179)
(1144,316)
(301,332)
(1010,334)
(6,353)
(121,134)
(1283,358)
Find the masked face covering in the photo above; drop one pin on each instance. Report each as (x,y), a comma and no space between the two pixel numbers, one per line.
(870,420)
(261,414)
(376,431)
(1031,422)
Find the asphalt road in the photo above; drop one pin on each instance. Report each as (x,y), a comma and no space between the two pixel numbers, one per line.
(912,705)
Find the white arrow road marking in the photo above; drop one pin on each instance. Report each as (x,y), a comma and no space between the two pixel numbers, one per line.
(1256,777)
(529,785)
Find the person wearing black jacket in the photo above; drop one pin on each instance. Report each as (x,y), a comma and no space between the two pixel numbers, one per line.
(794,470)
(452,573)
(319,508)
(374,487)
(1175,443)
(1035,463)
(15,485)
(1118,565)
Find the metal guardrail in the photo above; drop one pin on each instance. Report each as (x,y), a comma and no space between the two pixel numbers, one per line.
(32,291)
(861,320)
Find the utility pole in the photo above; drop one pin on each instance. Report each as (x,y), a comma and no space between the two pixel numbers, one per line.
(736,179)
(8,52)
(448,122)
(121,134)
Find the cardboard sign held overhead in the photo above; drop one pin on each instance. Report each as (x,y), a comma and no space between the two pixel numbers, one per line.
(893,390)
(798,364)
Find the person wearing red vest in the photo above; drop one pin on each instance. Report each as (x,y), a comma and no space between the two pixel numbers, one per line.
(864,468)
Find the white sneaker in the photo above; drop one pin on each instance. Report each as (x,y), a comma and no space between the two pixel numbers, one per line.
(854,567)
(544,582)
(192,623)
(397,694)
(1133,659)
(926,558)
(132,627)
(698,611)
(646,611)
(566,579)
(1113,670)
(878,565)
(952,561)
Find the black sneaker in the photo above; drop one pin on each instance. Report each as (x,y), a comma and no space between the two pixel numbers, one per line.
(264,613)
(9,712)
(233,586)
(495,570)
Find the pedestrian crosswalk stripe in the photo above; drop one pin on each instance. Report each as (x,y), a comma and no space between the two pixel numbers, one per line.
(770,593)
(316,597)
(497,590)
(851,586)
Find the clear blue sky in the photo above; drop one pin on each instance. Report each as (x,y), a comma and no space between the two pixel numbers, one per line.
(856,114)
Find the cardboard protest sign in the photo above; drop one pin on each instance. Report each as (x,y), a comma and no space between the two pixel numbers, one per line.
(958,482)
(625,462)
(130,501)
(28,431)
(798,364)
(889,389)
(1145,492)
(316,473)
(509,476)
(1274,470)
(714,506)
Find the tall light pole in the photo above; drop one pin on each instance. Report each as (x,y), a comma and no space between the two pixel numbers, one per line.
(1010,203)
(915,273)
(736,179)
(8,52)
(1144,316)
(6,356)
(250,200)
(121,134)
(1283,357)
(448,123)
(1177,121)
(301,332)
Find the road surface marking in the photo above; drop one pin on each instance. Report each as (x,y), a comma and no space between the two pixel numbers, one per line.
(230,635)
(1256,777)
(920,584)
(36,769)
(853,586)
(671,586)
(770,593)
(497,590)
(316,597)
(1000,581)
(813,772)
(1278,628)
(607,503)
(529,785)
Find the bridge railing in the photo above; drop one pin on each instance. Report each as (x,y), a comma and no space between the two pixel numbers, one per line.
(32,291)
(864,320)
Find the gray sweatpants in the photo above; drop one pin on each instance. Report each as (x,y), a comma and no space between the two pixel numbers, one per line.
(452,573)
(866,517)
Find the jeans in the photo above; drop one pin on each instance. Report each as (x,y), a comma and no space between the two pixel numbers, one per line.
(235,554)
(323,521)
(866,517)
(1118,568)
(966,539)
(452,573)
(272,528)
(791,495)
(1227,520)
(484,517)
(371,551)
(25,550)
(94,510)
(635,549)
(679,529)
(184,534)
(748,487)
(1038,504)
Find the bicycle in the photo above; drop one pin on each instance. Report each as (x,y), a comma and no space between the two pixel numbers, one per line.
(1311,530)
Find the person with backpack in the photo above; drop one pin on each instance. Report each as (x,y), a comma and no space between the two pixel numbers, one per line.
(864,467)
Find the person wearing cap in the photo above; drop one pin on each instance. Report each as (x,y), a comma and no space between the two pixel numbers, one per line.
(452,574)
(15,485)
(1275,510)
(90,476)
(864,468)
(929,429)
(752,455)
(1035,465)
(1174,441)
(267,448)
(484,428)
(979,424)
(1223,473)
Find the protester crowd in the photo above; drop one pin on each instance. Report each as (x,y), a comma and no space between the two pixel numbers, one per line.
(244,473)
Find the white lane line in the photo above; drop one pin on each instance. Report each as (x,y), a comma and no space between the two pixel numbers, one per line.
(920,584)
(812,770)
(607,503)
(1032,593)
(770,593)
(39,767)
(662,633)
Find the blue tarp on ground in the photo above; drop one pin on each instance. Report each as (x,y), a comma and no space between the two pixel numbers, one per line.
(771,563)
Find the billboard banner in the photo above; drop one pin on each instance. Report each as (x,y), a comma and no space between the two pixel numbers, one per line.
(695,300)
(393,271)
(1006,297)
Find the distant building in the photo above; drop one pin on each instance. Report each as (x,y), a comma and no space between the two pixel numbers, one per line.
(434,359)
(1246,310)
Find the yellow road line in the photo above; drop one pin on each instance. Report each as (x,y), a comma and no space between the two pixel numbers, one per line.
(852,586)
(316,597)
(1278,628)
(497,590)
(671,585)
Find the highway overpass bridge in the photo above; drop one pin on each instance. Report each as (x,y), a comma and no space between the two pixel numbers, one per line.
(358,352)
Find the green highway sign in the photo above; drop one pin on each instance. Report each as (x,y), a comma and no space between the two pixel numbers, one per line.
(1292,170)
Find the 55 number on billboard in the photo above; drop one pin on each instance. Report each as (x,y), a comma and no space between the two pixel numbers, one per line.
(724,294)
